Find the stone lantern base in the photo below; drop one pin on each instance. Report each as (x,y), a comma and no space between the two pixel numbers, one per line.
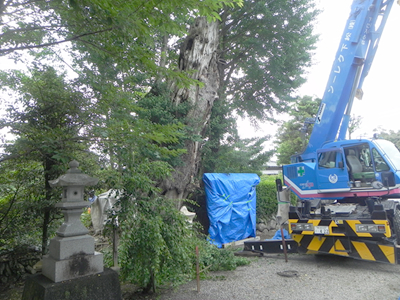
(102,286)
(72,257)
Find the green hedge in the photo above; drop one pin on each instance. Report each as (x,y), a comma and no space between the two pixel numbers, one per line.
(267,203)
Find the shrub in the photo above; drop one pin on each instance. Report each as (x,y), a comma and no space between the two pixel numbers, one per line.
(158,247)
(267,203)
(213,258)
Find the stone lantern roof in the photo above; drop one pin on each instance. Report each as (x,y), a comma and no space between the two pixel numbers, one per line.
(73,177)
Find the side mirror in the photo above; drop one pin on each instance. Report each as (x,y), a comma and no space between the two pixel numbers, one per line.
(341,165)
(278,183)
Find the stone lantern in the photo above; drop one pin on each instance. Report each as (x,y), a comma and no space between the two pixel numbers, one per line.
(72,269)
(71,252)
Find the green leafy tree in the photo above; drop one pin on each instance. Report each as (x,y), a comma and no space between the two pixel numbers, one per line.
(390,135)
(259,67)
(19,184)
(139,138)
(252,70)
(104,24)
(293,135)
(354,124)
(170,255)
(265,49)
(231,154)
(47,121)
(237,156)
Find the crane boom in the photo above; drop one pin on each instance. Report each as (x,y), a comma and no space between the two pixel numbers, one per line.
(355,54)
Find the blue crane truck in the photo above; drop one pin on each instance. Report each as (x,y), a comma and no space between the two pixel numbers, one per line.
(347,190)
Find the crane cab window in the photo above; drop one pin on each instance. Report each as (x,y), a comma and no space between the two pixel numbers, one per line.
(380,164)
(327,160)
(359,163)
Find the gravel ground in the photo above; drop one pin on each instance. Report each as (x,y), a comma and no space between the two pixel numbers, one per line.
(315,278)
(318,278)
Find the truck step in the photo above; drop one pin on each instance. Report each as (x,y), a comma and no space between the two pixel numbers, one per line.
(271,246)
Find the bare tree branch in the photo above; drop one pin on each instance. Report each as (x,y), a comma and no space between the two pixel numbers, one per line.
(10,206)
(6,51)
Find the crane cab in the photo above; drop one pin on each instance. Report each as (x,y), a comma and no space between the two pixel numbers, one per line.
(349,168)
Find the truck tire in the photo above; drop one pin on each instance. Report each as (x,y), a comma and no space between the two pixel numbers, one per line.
(396,225)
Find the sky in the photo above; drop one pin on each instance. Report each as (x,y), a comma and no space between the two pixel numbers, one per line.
(380,106)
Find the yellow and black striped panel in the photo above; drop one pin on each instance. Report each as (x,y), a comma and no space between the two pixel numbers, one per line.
(341,227)
(359,249)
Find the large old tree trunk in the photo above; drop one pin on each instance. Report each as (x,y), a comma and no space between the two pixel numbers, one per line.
(198,58)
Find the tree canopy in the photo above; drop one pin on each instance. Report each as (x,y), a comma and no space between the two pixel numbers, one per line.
(292,136)
(391,135)
(267,46)
(264,51)
(48,120)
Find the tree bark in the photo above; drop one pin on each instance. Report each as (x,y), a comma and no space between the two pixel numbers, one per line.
(199,59)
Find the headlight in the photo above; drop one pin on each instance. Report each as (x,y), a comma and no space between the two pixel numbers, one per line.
(370,228)
(302,227)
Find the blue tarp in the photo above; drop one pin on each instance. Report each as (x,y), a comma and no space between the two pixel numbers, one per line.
(278,235)
(231,206)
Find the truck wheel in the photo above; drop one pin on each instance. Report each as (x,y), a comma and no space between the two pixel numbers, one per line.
(396,225)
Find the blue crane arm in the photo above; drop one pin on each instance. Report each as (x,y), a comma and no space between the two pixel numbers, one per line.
(357,49)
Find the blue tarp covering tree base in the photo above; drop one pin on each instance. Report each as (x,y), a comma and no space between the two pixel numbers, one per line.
(231,206)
